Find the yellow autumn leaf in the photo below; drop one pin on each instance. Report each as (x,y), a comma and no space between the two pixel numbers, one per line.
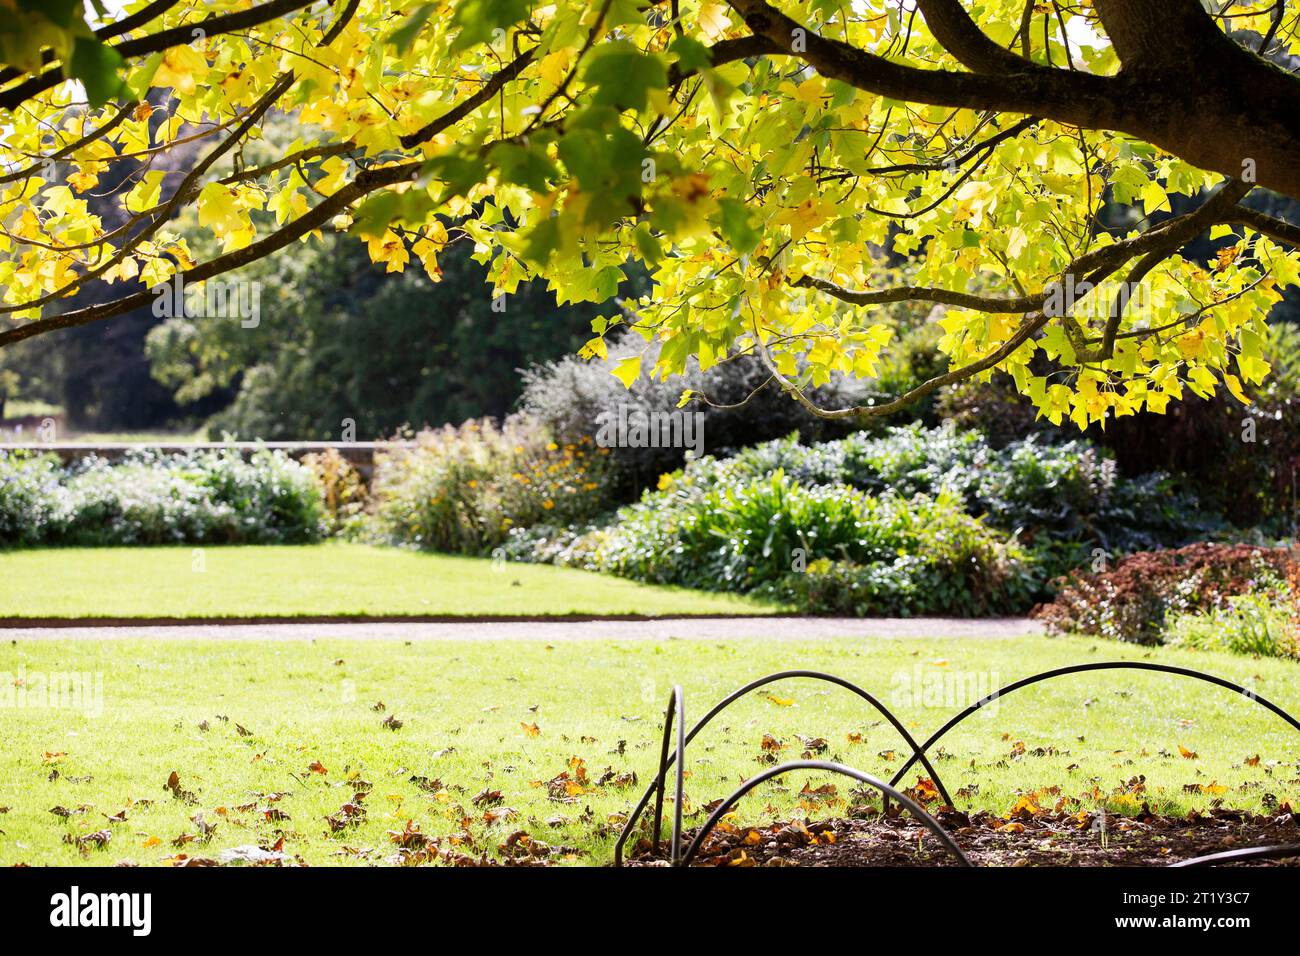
(714,20)
(628,370)
(145,194)
(177,69)
(555,66)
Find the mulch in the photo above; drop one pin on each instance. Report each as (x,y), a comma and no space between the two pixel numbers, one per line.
(1042,839)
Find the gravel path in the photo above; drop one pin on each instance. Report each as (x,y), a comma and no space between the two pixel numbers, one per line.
(711,629)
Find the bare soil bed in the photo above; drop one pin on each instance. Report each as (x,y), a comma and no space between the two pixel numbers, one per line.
(1042,839)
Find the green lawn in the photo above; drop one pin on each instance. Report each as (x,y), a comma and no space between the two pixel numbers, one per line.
(324,579)
(468,712)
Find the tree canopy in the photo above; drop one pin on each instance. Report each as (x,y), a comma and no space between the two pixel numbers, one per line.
(767,163)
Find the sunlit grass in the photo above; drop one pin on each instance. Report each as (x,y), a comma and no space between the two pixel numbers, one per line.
(319,580)
(468,710)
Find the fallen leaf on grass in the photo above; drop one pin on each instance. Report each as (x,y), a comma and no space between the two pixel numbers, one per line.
(90,841)
(409,838)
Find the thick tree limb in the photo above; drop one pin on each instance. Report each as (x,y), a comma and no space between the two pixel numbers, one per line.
(1278,229)
(962,37)
(1215,104)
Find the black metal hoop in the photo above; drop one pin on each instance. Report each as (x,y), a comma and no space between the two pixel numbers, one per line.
(886,789)
(676,708)
(1245,853)
(1078,669)
(675,715)
(656,786)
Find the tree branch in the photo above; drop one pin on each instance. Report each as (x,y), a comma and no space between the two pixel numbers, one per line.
(458,112)
(909,293)
(1278,229)
(212,25)
(960,36)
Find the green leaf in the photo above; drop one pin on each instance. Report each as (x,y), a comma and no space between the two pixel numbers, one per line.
(736,228)
(623,75)
(524,166)
(96,66)
(405,35)
(142,78)
(542,241)
(375,215)
(479,19)
(607,166)
(605,283)
(460,173)
(61,13)
(647,245)
(692,55)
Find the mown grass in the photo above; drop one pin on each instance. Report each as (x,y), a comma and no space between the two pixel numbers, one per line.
(318,580)
(468,709)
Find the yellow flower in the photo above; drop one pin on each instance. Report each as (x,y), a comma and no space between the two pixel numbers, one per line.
(548,504)
(552,446)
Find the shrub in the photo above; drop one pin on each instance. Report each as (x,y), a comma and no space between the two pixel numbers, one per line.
(463,489)
(343,491)
(798,543)
(29,488)
(1064,492)
(1257,623)
(1130,602)
(1062,501)
(204,498)
(993,408)
(566,396)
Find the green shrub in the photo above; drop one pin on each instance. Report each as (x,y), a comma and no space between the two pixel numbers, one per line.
(463,489)
(1257,623)
(1062,502)
(201,498)
(795,542)
(29,489)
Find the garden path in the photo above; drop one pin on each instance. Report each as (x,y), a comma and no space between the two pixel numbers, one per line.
(697,628)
